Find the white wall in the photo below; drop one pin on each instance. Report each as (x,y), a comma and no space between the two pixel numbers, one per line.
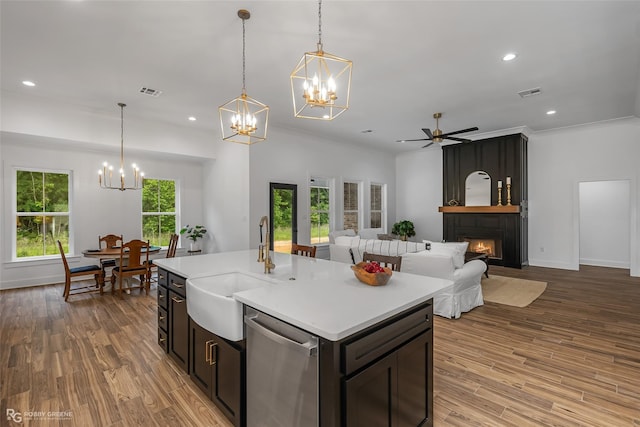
(419,191)
(558,161)
(602,203)
(293,158)
(95,211)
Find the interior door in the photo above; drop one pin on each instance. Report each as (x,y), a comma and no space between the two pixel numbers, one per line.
(283,215)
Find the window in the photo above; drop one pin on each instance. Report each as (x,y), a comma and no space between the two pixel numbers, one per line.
(319,211)
(158,211)
(351,205)
(377,206)
(42,212)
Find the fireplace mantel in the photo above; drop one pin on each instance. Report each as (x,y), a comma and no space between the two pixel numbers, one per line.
(480,209)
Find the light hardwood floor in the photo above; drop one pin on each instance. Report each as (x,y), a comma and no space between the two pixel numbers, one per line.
(572,358)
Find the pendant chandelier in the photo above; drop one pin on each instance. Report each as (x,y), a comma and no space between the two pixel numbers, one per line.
(243,119)
(105,175)
(321,82)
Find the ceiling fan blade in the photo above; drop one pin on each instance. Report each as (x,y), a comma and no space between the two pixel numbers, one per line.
(428,132)
(428,145)
(412,140)
(453,138)
(444,135)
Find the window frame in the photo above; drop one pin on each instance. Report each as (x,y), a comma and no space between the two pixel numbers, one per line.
(176,214)
(15,213)
(358,211)
(328,184)
(383,205)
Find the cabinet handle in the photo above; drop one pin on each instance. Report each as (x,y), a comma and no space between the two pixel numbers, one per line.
(161,296)
(161,318)
(177,285)
(161,276)
(207,351)
(162,339)
(178,300)
(213,361)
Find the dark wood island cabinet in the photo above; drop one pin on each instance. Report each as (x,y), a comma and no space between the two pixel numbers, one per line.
(378,374)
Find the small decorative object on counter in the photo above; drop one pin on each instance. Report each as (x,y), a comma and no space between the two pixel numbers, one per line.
(193,233)
(371,273)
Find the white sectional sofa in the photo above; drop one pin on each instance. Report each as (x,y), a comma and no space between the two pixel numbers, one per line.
(443,260)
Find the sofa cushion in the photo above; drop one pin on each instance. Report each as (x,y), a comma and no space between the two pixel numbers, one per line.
(384,247)
(347,240)
(428,263)
(370,233)
(337,233)
(456,249)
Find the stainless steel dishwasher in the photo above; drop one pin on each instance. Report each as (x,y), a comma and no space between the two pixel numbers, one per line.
(282,373)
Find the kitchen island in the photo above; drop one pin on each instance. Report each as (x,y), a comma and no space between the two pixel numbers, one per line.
(374,355)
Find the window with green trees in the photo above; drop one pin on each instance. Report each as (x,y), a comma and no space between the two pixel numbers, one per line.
(158,211)
(319,211)
(42,212)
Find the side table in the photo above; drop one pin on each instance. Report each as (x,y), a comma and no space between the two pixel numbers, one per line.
(468,256)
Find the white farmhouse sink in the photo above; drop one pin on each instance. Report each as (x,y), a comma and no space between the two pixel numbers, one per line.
(210,302)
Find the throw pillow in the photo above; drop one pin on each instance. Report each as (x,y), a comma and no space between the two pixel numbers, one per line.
(347,240)
(456,249)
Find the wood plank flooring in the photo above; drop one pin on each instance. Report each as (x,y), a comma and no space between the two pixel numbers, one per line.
(572,358)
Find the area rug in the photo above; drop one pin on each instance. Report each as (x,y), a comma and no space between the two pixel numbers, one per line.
(510,291)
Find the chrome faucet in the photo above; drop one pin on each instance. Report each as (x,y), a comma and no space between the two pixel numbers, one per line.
(264,255)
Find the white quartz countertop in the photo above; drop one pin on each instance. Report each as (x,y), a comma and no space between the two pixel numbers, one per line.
(322,297)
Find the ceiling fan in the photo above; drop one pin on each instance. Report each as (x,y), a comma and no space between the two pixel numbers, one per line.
(438,135)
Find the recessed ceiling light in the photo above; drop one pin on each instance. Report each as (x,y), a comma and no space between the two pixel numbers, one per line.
(28,83)
(192,119)
(551,112)
(367,131)
(510,56)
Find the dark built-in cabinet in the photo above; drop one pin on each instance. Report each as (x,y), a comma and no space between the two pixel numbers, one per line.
(380,376)
(217,368)
(214,364)
(501,157)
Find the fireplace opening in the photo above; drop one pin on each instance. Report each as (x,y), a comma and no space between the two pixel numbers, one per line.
(491,247)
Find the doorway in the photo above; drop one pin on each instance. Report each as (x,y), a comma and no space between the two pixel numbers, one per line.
(283,212)
(605,223)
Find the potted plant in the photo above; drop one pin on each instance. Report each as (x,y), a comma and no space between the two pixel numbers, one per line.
(193,233)
(404,229)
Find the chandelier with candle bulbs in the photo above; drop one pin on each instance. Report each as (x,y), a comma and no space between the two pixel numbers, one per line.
(119,182)
(321,82)
(243,119)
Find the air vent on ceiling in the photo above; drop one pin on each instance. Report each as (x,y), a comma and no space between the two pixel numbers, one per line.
(530,92)
(150,92)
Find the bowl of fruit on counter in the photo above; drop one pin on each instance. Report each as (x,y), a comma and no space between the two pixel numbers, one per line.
(371,273)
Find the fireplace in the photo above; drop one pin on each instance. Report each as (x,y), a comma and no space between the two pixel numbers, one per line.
(490,246)
(503,236)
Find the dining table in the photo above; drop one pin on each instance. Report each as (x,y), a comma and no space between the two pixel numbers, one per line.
(114,252)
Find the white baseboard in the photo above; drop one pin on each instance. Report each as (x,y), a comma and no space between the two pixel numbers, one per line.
(605,263)
(552,264)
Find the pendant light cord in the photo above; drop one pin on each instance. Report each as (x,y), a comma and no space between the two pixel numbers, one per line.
(122,136)
(320,25)
(244,89)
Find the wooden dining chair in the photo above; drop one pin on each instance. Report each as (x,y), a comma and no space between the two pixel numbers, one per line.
(171,253)
(303,250)
(393,262)
(86,270)
(105,242)
(133,262)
